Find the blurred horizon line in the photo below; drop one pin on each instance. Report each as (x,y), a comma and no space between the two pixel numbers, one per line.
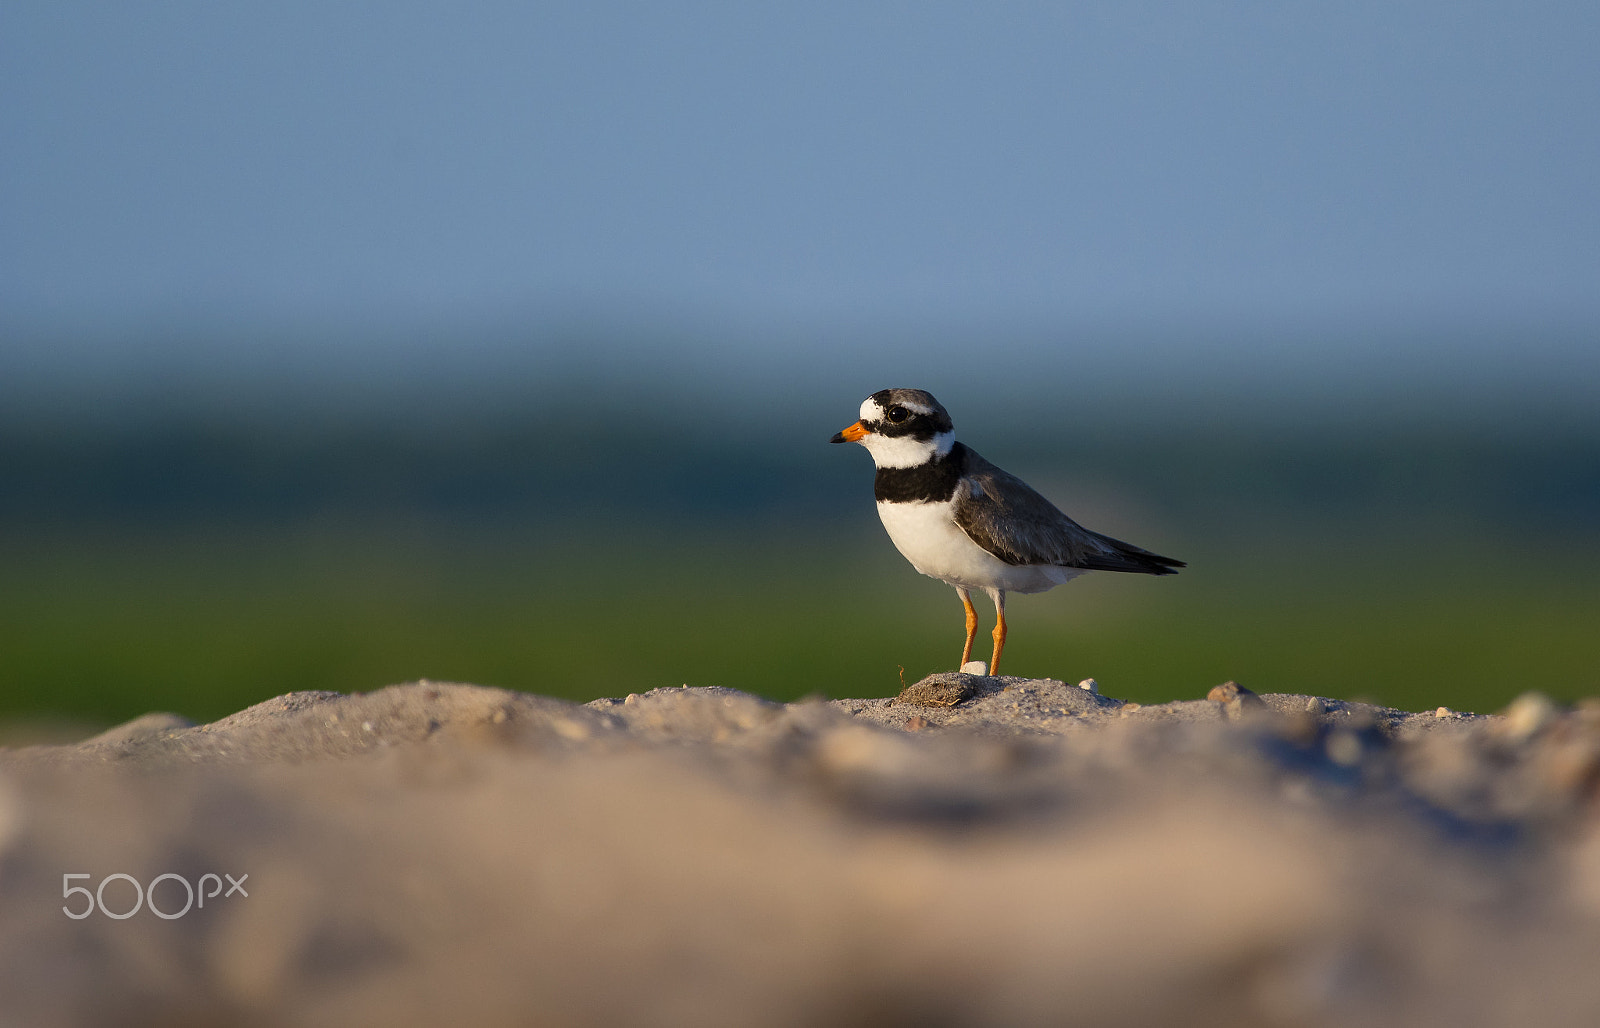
(1462,367)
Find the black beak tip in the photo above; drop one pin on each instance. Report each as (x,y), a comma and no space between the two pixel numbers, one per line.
(838,437)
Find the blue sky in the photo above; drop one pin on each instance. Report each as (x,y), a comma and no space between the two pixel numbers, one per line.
(860,167)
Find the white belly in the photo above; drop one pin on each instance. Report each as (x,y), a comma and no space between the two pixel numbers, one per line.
(927,535)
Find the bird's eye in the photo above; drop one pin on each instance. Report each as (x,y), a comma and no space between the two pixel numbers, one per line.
(897,414)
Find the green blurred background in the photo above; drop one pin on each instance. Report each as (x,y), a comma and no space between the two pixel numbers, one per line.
(614,538)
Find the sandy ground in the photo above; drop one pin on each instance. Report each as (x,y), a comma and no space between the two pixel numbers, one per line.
(1004,851)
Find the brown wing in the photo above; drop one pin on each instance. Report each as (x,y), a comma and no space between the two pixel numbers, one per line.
(1004,515)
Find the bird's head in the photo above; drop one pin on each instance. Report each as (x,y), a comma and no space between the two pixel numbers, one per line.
(901,428)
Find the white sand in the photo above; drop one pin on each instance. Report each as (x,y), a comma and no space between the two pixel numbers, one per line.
(450,854)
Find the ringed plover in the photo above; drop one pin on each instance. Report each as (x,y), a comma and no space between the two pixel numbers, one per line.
(960,519)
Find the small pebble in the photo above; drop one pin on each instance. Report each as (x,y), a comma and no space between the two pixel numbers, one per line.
(366,726)
(1229,691)
(1315,705)
(1090,685)
(1237,701)
(1443,712)
(1528,715)
(975,667)
(942,690)
(632,697)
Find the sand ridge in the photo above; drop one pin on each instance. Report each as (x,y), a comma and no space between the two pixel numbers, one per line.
(979,850)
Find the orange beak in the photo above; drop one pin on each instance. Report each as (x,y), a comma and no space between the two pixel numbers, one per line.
(851,434)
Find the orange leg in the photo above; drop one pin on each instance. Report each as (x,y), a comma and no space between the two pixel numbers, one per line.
(972,626)
(999,597)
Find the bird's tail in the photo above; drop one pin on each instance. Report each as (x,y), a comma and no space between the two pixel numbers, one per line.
(1117,555)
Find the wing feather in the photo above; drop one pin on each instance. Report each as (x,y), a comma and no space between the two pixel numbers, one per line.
(1004,515)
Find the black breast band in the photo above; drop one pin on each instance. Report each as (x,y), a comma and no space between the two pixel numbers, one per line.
(926,483)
